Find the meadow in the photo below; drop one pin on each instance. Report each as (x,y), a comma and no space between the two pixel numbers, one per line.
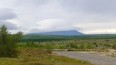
(14,53)
(40,53)
(100,46)
(37,56)
(79,44)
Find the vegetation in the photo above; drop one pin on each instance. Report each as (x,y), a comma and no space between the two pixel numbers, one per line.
(14,53)
(44,38)
(34,50)
(81,44)
(8,42)
(35,56)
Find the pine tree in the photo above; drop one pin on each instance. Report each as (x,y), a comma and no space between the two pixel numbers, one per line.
(7,43)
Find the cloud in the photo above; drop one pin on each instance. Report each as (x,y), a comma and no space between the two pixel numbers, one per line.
(98,28)
(9,25)
(90,6)
(87,16)
(5,15)
(53,25)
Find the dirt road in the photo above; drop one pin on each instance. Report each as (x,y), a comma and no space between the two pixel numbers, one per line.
(93,58)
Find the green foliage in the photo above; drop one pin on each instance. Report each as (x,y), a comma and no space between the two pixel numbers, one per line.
(82,44)
(89,46)
(31,44)
(44,38)
(8,43)
(30,56)
(114,46)
(49,48)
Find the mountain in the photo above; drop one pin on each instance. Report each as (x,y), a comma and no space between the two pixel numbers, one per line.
(66,33)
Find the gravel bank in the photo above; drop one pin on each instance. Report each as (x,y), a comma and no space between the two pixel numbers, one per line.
(93,58)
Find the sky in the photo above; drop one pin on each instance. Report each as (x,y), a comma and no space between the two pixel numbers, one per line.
(86,16)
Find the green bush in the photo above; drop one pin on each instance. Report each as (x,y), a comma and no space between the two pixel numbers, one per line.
(114,46)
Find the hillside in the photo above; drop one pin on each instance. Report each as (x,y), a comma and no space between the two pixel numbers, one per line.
(64,33)
(38,37)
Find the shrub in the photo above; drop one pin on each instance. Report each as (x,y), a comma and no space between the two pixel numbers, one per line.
(114,46)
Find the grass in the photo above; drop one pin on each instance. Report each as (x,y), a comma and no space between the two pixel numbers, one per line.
(74,44)
(35,56)
(38,53)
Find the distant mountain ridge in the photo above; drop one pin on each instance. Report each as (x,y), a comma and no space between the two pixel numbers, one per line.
(66,33)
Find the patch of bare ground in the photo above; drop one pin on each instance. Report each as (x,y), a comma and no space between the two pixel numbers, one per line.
(109,52)
(95,57)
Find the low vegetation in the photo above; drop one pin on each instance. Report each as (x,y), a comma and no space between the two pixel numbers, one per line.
(14,53)
(92,44)
(106,47)
(35,56)
(40,52)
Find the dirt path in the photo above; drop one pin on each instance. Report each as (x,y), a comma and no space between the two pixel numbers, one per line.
(93,58)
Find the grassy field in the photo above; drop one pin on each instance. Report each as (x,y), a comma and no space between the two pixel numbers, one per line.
(82,42)
(35,56)
(39,53)
(74,44)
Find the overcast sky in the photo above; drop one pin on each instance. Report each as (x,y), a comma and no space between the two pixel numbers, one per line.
(86,16)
